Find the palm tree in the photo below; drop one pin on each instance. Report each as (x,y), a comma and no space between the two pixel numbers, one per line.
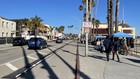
(57,29)
(36,23)
(117,15)
(80,7)
(21,23)
(110,11)
(51,29)
(61,29)
(111,15)
(93,23)
(91,4)
(97,22)
(108,16)
(70,26)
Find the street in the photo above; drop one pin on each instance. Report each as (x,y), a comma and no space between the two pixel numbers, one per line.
(14,58)
(58,61)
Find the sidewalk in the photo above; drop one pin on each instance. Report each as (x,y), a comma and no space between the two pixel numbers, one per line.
(96,66)
(5,45)
(61,64)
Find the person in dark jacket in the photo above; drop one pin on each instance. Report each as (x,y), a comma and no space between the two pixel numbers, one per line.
(115,49)
(107,45)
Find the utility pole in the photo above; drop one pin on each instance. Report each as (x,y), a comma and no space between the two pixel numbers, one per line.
(86,47)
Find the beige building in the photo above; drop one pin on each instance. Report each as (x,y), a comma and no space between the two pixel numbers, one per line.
(48,31)
(7,28)
(123,27)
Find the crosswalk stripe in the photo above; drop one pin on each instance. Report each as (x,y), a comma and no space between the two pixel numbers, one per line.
(32,57)
(42,53)
(12,67)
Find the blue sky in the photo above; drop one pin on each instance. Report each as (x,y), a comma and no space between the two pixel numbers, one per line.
(65,12)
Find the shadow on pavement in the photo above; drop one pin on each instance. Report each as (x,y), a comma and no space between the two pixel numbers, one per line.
(81,45)
(129,64)
(71,52)
(133,60)
(84,76)
(46,66)
(98,57)
(27,64)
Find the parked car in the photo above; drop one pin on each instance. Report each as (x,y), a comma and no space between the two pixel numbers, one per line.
(37,43)
(59,40)
(19,41)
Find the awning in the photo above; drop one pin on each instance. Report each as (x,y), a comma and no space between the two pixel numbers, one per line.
(100,36)
(121,34)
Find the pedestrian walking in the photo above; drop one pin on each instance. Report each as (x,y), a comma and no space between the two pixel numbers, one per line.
(101,46)
(107,45)
(115,49)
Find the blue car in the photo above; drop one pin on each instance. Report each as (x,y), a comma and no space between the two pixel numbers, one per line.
(37,43)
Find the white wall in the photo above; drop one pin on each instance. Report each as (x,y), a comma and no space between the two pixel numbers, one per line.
(7,27)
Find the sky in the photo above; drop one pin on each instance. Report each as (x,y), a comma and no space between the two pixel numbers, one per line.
(66,12)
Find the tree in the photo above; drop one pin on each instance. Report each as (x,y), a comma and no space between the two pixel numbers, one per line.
(51,28)
(97,22)
(81,8)
(36,23)
(56,29)
(110,17)
(91,4)
(93,22)
(70,26)
(117,15)
(60,29)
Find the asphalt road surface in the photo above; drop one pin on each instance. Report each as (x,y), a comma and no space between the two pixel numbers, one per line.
(14,58)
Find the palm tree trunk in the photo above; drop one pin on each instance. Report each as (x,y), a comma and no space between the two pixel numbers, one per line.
(108,16)
(117,15)
(111,15)
(96,30)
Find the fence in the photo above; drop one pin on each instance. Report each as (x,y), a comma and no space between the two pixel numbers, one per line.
(5,40)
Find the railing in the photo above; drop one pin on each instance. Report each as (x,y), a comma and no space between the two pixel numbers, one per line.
(4,40)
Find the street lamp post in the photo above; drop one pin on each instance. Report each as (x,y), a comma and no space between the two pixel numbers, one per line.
(86,47)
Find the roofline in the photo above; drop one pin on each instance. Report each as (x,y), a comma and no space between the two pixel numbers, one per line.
(7,19)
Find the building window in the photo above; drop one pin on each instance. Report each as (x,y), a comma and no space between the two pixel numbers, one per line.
(12,25)
(7,24)
(6,34)
(2,34)
(2,23)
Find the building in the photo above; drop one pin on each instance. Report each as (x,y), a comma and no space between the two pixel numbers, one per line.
(47,31)
(123,27)
(7,28)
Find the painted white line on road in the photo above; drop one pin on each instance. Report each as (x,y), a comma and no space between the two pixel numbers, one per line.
(32,57)
(12,67)
(46,49)
(42,53)
(15,59)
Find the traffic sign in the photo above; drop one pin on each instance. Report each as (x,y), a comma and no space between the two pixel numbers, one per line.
(87,24)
